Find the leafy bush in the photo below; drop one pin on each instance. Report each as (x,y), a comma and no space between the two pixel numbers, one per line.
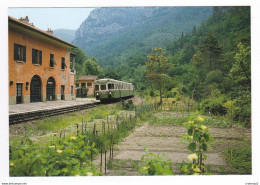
(214,104)
(198,137)
(242,115)
(128,105)
(59,158)
(155,165)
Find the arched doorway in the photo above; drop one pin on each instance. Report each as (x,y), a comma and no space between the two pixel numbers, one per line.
(35,89)
(50,89)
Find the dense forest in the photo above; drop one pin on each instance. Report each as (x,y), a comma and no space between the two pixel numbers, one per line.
(212,65)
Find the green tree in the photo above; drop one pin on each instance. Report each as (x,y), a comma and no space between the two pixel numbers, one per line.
(91,67)
(241,70)
(212,51)
(110,73)
(156,70)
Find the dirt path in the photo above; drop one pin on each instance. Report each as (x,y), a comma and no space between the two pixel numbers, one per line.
(167,139)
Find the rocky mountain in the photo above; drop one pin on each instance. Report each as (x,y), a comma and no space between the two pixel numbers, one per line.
(65,34)
(112,34)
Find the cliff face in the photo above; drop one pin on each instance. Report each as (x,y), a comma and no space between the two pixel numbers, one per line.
(103,23)
(108,32)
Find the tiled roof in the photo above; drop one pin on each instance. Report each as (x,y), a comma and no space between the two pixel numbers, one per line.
(29,26)
(87,78)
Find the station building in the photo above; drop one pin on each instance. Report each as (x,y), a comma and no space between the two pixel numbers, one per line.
(87,82)
(41,66)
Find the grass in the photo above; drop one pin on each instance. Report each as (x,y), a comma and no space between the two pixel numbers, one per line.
(177,119)
(240,158)
(57,123)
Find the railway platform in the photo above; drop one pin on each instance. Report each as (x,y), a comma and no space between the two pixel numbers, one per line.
(29,107)
(30,111)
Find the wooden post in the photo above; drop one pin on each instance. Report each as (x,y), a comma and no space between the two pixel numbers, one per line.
(105,160)
(101,158)
(110,151)
(77,129)
(94,129)
(91,154)
(82,126)
(86,128)
(104,127)
(231,119)
(112,147)
(107,124)
(188,106)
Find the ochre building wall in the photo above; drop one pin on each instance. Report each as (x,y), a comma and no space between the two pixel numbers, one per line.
(22,72)
(90,89)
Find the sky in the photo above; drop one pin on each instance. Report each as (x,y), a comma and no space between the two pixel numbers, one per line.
(53,18)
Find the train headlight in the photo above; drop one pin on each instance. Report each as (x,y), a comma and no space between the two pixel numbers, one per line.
(110,92)
(97,94)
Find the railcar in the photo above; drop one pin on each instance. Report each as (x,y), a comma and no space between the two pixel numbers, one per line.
(110,89)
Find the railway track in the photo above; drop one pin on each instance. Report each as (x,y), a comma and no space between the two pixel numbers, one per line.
(33,115)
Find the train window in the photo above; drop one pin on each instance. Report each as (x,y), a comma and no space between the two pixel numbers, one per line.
(110,86)
(96,87)
(103,87)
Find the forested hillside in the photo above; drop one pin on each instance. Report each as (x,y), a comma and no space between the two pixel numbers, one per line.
(211,65)
(120,35)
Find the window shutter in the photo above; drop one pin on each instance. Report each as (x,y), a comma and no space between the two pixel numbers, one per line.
(24,53)
(64,62)
(40,62)
(33,56)
(15,51)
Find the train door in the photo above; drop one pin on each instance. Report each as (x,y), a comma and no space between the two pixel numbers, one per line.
(50,89)
(35,89)
(62,89)
(19,91)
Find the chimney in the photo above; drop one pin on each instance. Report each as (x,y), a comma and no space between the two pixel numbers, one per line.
(49,31)
(25,20)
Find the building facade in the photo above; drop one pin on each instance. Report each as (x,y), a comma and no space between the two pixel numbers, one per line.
(87,82)
(41,66)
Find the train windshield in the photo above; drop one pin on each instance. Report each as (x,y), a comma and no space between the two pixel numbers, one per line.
(103,87)
(96,87)
(110,86)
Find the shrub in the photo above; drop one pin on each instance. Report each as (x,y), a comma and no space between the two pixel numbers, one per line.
(198,137)
(68,157)
(214,104)
(155,165)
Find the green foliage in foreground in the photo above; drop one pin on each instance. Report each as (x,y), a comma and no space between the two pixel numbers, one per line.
(61,157)
(155,165)
(198,137)
(69,156)
(240,159)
